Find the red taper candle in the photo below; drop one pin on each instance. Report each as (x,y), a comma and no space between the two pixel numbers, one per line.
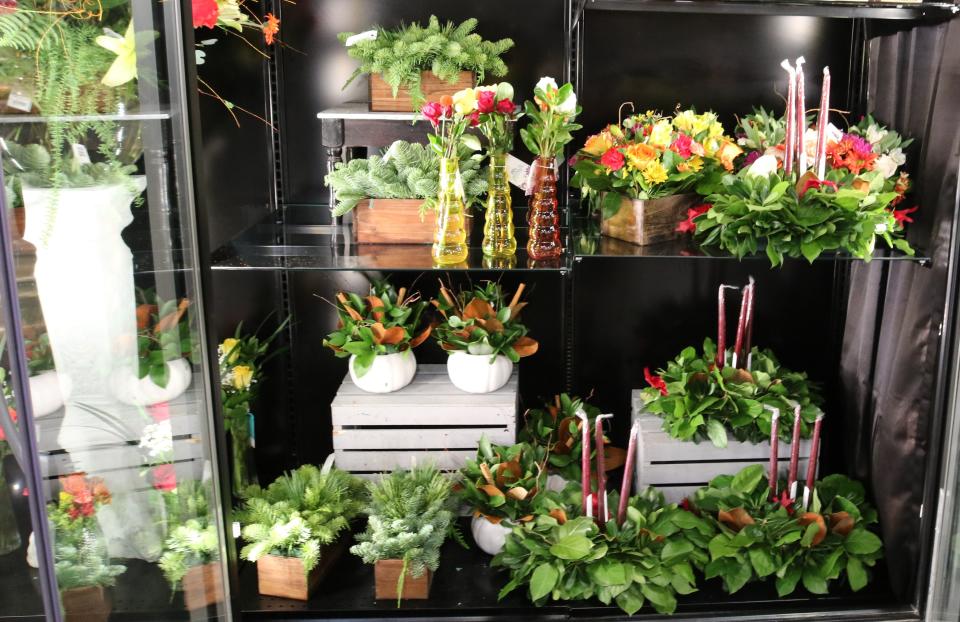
(812,460)
(628,473)
(585,458)
(801,112)
(601,472)
(721,327)
(748,331)
(794,454)
(741,326)
(789,147)
(821,157)
(774,449)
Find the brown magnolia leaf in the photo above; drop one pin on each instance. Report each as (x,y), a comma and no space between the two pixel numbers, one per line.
(493,519)
(736,519)
(143,315)
(491,490)
(808,518)
(491,325)
(487,475)
(515,310)
(700,377)
(742,376)
(841,523)
(526,519)
(565,440)
(614,457)
(342,298)
(518,492)
(508,472)
(449,347)
(374,303)
(390,336)
(171,319)
(559,514)
(416,341)
(525,346)
(400,295)
(478,308)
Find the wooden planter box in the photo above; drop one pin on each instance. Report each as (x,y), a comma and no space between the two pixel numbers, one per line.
(378,432)
(284,576)
(202,586)
(381,94)
(396,221)
(386,573)
(86,604)
(678,468)
(648,222)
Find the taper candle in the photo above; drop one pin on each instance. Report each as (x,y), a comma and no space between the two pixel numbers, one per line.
(821,157)
(584,459)
(601,470)
(812,460)
(721,328)
(801,113)
(774,448)
(741,326)
(794,454)
(748,338)
(628,473)
(789,146)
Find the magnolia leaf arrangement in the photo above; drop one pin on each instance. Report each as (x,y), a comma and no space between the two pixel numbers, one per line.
(193,539)
(760,537)
(384,322)
(698,401)
(445,50)
(504,481)
(410,515)
(651,557)
(163,335)
(404,171)
(300,512)
(481,321)
(557,428)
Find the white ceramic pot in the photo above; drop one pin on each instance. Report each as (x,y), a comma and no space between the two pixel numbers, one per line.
(489,537)
(48,390)
(478,373)
(389,372)
(143,392)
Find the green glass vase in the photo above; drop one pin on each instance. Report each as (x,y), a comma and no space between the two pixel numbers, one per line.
(498,233)
(450,235)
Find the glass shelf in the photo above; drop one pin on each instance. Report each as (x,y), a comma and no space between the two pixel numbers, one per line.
(13,119)
(873,10)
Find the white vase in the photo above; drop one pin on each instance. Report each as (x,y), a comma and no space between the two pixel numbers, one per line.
(389,372)
(489,537)
(144,392)
(48,390)
(478,373)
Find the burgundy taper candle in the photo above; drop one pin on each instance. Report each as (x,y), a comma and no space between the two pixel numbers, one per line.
(789,146)
(821,156)
(794,454)
(774,449)
(801,119)
(584,458)
(812,460)
(721,328)
(601,471)
(628,473)
(741,326)
(748,332)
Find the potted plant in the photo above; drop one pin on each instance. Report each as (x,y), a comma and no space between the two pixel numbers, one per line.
(378,333)
(413,63)
(641,172)
(190,560)
(500,487)
(296,528)
(481,334)
(410,513)
(391,195)
(83,566)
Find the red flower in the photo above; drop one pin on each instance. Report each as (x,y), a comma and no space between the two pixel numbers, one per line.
(13,417)
(446,110)
(688,226)
(87,509)
(432,111)
(612,159)
(8,6)
(685,504)
(486,101)
(73,513)
(902,215)
(681,144)
(76,486)
(270,28)
(852,153)
(816,184)
(164,478)
(205,13)
(506,106)
(159,412)
(785,501)
(655,381)
(475,118)
(900,187)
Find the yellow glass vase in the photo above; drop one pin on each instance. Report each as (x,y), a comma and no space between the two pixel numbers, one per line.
(498,234)
(450,236)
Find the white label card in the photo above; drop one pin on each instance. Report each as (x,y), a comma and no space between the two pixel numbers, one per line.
(80,153)
(368,35)
(518,172)
(19,101)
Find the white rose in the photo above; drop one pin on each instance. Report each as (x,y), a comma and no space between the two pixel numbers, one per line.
(875,134)
(569,105)
(888,163)
(546,84)
(763,166)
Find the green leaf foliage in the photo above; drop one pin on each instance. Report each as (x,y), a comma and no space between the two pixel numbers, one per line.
(193,539)
(504,481)
(555,426)
(481,320)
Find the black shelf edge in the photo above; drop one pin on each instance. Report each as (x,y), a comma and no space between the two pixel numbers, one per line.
(874,10)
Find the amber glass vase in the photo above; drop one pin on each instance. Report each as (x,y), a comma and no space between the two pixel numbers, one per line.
(498,235)
(450,235)
(543,217)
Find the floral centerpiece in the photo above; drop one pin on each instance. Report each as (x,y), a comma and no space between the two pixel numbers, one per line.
(192,547)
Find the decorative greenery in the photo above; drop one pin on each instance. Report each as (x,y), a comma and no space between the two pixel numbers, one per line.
(401,55)
(504,481)
(761,130)
(556,427)
(299,513)
(411,513)
(697,401)
(479,321)
(551,119)
(759,538)
(404,171)
(162,335)
(385,322)
(193,539)
(650,558)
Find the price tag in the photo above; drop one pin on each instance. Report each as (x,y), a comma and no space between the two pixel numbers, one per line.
(518,172)
(19,101)
(80,153)
(369,35)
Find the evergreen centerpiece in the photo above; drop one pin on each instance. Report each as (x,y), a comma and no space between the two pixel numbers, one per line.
(378,333)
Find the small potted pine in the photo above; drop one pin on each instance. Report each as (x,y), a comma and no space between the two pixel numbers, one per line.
(411,513)
(500,486)
(295,528)
(378,334)
(482,335)
(191,552)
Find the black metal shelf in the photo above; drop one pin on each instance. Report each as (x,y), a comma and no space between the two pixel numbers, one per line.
(917,11)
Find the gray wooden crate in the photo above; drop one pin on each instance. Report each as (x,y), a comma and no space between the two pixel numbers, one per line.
(428,420)
(678,468)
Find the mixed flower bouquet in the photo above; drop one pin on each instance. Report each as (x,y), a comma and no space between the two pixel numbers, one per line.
(648,156)
(496,113)
(551,115)
(450,117)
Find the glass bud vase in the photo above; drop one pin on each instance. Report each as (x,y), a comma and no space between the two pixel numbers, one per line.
(450,236)
(9,533)
(543,218)
(498,236)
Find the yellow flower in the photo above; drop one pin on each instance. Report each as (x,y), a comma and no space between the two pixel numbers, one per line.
(694,164)
(662,134)
(684,121)
(465,101)
(702,123)
(598,143)
(726,154)
(654,173)
(639,155)
(242,377)
(229,347)
(716,130)
(124,67)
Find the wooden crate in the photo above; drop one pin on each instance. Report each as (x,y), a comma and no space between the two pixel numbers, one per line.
(428,420)
(678,468)
(433,88)
(284,576)
(643,222)
(386,572)
(392,221)
(202,586)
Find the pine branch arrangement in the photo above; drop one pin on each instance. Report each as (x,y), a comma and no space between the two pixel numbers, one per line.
(194,540)
(404,171)
(445,50)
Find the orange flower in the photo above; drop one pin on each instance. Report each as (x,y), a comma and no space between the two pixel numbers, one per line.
(598,143)
(270,28)
(446,100)
(727,153)
(639,155)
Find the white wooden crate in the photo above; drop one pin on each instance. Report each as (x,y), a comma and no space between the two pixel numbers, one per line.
(428,420)
(678,468)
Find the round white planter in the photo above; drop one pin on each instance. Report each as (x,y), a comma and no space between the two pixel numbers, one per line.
(489,537)
(389,372)
(143,392)
(48,390)
(477,373)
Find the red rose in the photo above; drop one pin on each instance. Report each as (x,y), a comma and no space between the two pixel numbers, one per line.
(205,13)
(446,111)
(87,509)
(506,106)
(164,478)
(612,159)
(486,101)
(816,184)
(681,145)
(655,381)
(475,118)
(688,226)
